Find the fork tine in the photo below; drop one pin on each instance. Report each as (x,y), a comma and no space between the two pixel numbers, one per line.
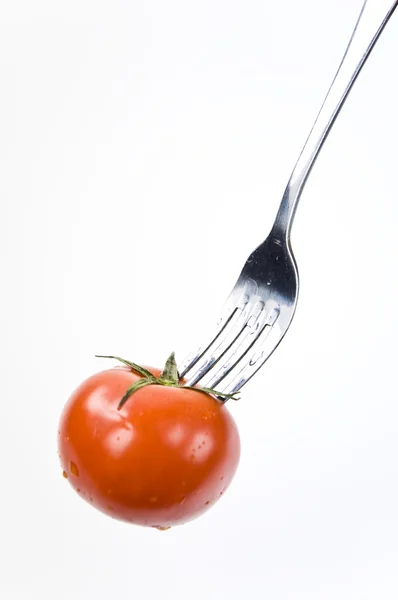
(231,314)
(219,344)
(228,317)
(245,368)
(259,328)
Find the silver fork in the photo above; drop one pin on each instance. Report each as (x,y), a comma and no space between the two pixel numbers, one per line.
(261,306)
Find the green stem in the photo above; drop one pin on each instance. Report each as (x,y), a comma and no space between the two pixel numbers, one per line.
(136,368)
(134,388)
(170,373)
(168,377)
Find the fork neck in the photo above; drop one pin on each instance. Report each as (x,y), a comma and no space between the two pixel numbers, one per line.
(372,19)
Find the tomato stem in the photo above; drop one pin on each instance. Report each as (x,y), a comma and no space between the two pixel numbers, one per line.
(134,388)
(136,368)
(170,374)
(168,377)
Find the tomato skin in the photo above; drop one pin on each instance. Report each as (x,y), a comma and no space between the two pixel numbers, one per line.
(163,459)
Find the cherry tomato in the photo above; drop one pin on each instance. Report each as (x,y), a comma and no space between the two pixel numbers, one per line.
(163,458)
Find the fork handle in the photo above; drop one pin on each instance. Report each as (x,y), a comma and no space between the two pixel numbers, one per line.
(373,17)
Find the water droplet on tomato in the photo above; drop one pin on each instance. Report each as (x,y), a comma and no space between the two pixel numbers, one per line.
(65,474)
(73,469)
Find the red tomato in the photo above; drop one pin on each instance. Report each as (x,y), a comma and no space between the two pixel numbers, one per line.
(163,459)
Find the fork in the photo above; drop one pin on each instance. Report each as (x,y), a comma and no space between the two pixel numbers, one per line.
(261,306)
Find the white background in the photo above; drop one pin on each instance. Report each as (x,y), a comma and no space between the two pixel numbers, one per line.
(144,148)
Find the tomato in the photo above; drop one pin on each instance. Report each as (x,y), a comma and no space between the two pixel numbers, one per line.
(163,458)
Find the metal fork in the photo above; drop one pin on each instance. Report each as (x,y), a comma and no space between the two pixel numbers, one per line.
(261,306)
